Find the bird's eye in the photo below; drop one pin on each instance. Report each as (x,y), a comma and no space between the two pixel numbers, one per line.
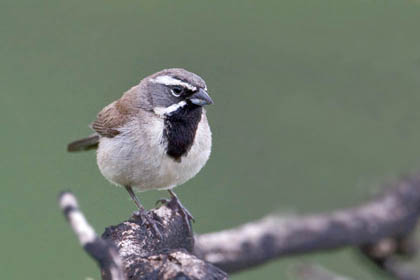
(177,91)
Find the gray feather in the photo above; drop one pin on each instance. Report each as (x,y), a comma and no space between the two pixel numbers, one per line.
(84,144)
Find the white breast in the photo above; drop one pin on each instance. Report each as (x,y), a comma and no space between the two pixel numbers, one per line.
(139,159)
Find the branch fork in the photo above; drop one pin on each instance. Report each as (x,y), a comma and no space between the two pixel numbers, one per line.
(380,229)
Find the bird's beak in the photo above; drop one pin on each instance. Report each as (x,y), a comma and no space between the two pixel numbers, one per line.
(201,98)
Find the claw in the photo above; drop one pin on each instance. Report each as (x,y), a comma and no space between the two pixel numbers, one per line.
(174,201)
(144,215)
(146,220)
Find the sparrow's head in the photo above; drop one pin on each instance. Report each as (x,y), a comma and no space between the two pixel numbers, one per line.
(171,89)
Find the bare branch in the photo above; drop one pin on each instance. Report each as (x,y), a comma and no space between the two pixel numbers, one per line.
(399,270)
(100,250)
(384,254)
(145,256)
(394,214)
(378,228)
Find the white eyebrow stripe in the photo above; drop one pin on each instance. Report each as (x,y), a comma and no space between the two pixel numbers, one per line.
(170,81)
(161,111)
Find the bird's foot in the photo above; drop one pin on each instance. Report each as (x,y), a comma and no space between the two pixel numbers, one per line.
(148,219)
(175,203)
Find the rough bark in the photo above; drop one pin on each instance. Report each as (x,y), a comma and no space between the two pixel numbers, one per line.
(103,252)
(380,229)
(145,256)
(393,215)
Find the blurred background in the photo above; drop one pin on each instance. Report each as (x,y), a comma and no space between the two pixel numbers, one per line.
(316,106)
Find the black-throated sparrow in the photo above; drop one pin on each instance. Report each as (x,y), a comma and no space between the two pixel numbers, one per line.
(156,136)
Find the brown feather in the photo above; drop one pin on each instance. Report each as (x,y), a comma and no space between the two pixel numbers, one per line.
(112,117)
(107,123)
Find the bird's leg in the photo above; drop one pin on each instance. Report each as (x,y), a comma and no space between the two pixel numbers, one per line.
(183,211)
(134,198)
(142,213)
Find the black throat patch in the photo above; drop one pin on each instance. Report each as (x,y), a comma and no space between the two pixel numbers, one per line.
(179,130)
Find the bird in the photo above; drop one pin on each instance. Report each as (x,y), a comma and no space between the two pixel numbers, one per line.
(155,137)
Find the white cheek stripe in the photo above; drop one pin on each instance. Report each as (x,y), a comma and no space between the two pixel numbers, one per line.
(170,81)
(167,110)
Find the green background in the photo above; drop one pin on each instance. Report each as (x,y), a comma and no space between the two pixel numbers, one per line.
(316,106)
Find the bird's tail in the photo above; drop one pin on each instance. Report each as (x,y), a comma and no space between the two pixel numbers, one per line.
(84,144)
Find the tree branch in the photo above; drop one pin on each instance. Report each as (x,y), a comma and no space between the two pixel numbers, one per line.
(394,214)
(178,255)
(103,252)
(383,255)
(145,256)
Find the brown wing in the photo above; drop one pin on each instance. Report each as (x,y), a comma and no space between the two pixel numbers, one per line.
(111,118)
